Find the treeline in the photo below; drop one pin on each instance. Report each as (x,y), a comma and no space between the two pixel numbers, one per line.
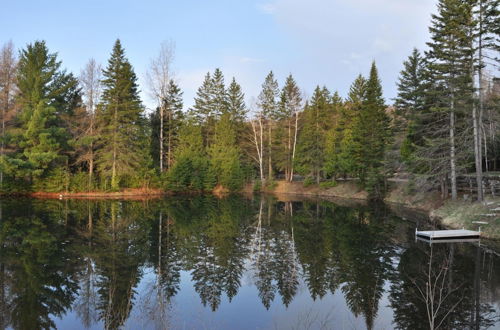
(63,133)
(66,133)
(448,100)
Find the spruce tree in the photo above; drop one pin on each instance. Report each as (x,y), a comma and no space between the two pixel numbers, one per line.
(46,94)
(122,131)
(174,115)
(340,155)
(289,107)
(411,96)
(450,58)
(202,110)
(190,170)
(268,103)
(357,91)
(225,155)
(411,100)
(219,96)
(172,107)
(371,133)
(210,103)
(236,103)
(487,38)
(311,144)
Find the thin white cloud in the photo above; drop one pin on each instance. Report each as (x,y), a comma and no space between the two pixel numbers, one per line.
(266,8)
(381,45)
(251,60)
(355,56)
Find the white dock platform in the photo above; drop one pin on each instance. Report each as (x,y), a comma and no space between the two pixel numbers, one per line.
(447,240)
(448,234)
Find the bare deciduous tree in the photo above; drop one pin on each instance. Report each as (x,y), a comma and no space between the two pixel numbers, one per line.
(257,139)
(438,292)
(158,77)
(90,80)
(8,66)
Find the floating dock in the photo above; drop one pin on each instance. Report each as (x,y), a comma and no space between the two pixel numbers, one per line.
(448,235)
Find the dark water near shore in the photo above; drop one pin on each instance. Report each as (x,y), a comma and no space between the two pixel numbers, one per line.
(234,263)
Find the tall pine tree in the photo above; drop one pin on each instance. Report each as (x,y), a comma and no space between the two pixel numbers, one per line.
(311,143)
(172,117)
(236,103)
(210,103)
(410,102)
(225,155)
(450,58)
(46,94)
(371,133)
(121,150)
(290,105)
(268,103)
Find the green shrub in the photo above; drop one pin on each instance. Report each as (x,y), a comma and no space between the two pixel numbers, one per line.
(56,180)
(79,182)
(308,181)
(328,184)
(271,184)
(257,186)
(190,173)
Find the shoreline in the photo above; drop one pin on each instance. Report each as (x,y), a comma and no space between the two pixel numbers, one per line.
(125,194)
(445,213)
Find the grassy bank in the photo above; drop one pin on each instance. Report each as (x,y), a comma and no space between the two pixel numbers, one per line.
(453,215)
(459,214)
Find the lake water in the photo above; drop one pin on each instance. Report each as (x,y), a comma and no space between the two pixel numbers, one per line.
(234,263)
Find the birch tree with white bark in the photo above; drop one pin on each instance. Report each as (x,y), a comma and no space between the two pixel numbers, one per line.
(158,78)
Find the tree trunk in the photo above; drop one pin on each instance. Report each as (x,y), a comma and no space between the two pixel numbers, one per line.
(316,161)
(259,146)
(294,144)
(261,162)
(169,142)
(477,154)
(91,166)
(91,154)
(453,166)
(4,111)
(161,136)
(114,183)
(270,146)
(289,151)
(478,117)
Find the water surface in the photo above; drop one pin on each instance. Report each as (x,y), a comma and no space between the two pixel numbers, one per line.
(234,263)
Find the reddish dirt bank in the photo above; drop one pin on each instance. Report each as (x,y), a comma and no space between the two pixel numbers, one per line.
(125,194)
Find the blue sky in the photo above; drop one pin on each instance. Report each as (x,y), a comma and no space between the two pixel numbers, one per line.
(325,42)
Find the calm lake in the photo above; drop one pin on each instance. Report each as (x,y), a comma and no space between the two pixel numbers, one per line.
(234,263)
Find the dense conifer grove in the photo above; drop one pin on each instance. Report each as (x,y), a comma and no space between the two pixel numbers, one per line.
(62,132)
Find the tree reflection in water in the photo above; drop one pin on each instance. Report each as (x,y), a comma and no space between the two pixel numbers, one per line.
(101,260)
(437,287)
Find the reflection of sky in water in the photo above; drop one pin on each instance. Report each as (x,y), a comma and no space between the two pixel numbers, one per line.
(245,311)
